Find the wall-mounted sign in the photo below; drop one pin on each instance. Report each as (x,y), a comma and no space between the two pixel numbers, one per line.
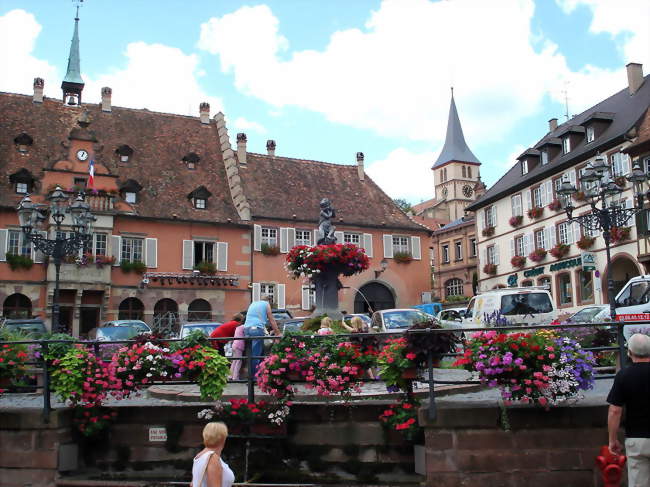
(588,261)
(157,434)
(566,264)
(512,280)
(535,271)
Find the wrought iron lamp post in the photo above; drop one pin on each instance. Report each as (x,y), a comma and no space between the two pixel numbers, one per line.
(605,214)
(32,216)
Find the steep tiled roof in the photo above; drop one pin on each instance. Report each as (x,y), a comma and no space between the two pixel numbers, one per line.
(456,223)
(291,189)
(420,207)
(624,111)
(159,141)
(430,223)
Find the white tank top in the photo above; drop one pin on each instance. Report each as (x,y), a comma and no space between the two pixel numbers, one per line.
(200,465)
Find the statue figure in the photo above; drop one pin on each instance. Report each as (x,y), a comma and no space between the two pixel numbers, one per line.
(325,227)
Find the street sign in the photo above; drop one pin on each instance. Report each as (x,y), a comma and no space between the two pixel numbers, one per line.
(157,434)
(588,261)
(634,317)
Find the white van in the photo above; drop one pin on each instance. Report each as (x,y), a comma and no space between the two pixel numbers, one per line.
(519,305)
(633,304)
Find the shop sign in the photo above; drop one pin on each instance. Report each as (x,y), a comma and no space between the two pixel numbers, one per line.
(157,434)
(634,317)
(535,271)
(512,280)
(588,261)
(565,264)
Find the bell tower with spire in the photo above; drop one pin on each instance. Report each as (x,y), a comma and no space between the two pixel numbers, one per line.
(456,171)
(73,84)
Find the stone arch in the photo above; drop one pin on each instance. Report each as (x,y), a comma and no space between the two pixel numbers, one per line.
(624,267)
(17,306)
(165,315)
(373,296)
(131,309)
(199,310)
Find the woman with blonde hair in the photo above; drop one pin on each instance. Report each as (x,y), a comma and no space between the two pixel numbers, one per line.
(209,470)
(326,326)
(356,325)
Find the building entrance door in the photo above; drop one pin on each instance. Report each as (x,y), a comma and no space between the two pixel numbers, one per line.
(89,319)
(373,297)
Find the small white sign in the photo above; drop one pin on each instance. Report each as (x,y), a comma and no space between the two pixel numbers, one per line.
(157,434)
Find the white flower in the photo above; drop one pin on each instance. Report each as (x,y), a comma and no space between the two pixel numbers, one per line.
(149,374)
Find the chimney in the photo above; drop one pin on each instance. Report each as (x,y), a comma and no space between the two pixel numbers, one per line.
(107,93)
(204,112)
(552,124)
(360,172)
(634,77)
(38,90)
(270,147)
(241,147)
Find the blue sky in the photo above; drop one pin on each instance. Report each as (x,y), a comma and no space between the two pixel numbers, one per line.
(326,79)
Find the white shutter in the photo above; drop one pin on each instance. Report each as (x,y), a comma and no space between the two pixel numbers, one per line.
(483,257)
(339,237)
(416,251)
(528,239)
(316,237)
(496,254)
(291,238)
(222,256)
(388,246)
(305,298)
(550,237)
(512,248)
(367,244)
(188,254)
(549,192)
(576,231)
(257,237)
(4,236)
(529,199)
(281,293)
(151,252)
(626,164)
(116,248)
(570,238)
(572,177)
(284,245)
(257,292)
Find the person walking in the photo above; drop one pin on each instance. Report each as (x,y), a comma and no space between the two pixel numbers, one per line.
(208,469)
(259,312)
(631,390)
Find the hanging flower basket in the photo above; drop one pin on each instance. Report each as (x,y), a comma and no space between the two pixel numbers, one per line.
(347,259)
(620,181)
(555,205)
(619,234)
(490,269)
(585,243)
(537,255)
(267,249)
(560,250)
(515,221)
(488,231)
(402,257)
(579,196)
(535,212)
(518,261)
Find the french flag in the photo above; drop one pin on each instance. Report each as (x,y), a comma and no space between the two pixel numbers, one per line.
(91,174)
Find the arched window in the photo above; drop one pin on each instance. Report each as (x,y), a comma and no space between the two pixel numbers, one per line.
(17,306)
(464,173)
(199,310)
(131,309)
(527,283)
(165,315)
(454,287)
(545,281)
(469,171)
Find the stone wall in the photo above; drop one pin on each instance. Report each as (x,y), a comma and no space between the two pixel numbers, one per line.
(469,447)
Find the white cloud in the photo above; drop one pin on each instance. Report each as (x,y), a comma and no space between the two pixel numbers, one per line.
(243,124)
(18,33)
(404,174)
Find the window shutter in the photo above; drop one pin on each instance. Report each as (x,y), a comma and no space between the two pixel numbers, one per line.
(529,199)
(496,254)
(4,235)
(483,257)
(512,248)
(416,251)
(388,246)
(339,237)
(316,237)
(576,232)
(305,298)
(626,164)
(151,252)
(550,237)
(37,255)
(281,300)
(284,244)
(257,237)
(572,177)
(485,222)
(188,254)
(569,233)
(116,248)
(528,239)
(257,291)
(549,192)
(367,244)
(291,238)
(222,256)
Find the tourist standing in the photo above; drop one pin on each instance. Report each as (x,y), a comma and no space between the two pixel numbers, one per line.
(209,470)
(238,347)
(259,312)
(631,390)
(227,330)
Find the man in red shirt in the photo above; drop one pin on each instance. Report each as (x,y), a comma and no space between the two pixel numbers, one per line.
(227,330)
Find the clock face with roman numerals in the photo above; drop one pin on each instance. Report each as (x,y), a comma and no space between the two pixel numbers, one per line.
(467,191)
(445,192)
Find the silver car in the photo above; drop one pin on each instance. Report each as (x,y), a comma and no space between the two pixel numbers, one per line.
(397,319)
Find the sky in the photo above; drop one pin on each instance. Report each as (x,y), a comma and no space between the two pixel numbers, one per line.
(329,78)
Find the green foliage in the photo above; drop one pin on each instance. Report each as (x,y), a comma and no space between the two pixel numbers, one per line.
(393,360)
(68,376)
(312,324)
(19,261)
(403,205)
(456,299)
(195,338)
(12,355)
(57,350)
(206,267)
(135,266)
(214,374)
(270,249)
(402,257)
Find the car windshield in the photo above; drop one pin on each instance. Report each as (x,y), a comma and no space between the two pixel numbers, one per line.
(403,319)
(586,315)
(206,329)
(27,327)
(281,315)
(525,304)
(117,333)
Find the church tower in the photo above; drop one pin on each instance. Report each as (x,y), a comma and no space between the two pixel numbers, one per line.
(456,171)
(73,84)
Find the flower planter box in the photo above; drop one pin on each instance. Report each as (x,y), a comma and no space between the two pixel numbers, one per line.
(535,212)
(488,232)
(585,243)
(490,269)
(515,221)
(266,429)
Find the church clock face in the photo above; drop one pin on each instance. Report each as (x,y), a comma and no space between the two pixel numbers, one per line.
(468,191)
(445,192)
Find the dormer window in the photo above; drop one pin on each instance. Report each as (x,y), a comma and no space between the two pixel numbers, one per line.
(22,180)
(124,152)
(566,145)
(199,203)
(22,188)
(199,197)
(544,155)
(524,166)
(130,197)
(129,191)
(591,134)
(191,160)
(23,143)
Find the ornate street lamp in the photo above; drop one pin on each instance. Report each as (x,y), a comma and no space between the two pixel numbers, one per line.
(32,218)
(602,196)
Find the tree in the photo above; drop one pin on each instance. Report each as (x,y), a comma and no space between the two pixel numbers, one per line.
(404,205)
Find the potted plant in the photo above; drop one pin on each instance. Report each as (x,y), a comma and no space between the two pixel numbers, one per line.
(488,231)
(537,255)
(206,267)
(518,261)
(515,221)
(555,205)
(535,212)
(401,417)
(305,261)
(396,364)
(560,250)
(402,257)
(102,260)
(618,234)
(261,417)
(17,262)
(579,196)
(490,269)
(13,357)
(585,242)
(270,249)
(436,343)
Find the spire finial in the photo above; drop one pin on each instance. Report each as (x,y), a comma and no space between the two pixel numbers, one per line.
(452,91)
(72,82)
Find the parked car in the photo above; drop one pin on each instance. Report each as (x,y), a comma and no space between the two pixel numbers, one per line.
(591,314)
(364,317)
(429,308)
(114,333)
(294,324)
(35,327)
(397,319)
(519,305)
(205,328)
(451,317)
(138,325)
